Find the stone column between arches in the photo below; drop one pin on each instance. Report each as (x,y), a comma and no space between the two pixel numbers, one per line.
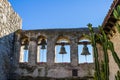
(50,50)
(32,59)
(74,52)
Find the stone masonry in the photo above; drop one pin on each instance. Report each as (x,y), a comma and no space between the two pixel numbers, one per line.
(12,37)
(50,69)
(9,23)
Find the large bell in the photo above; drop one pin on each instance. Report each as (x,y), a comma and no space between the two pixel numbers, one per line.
(85,50)
(26,47)
(43,43)
(62,50)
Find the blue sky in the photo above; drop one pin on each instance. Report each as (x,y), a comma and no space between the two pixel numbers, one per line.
(47,14)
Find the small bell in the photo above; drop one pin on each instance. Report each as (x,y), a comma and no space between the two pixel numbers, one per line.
(43,47)
(43,43)
(85,50)
(26,47)
(62,50)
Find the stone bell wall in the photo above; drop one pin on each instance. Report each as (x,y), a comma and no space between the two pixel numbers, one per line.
(51,70)
(9,23)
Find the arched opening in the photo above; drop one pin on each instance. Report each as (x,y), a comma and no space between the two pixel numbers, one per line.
(85,51)
(42,49)
(24,50)
(62,50)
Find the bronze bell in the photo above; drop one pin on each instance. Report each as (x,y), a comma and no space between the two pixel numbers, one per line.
(43,43)
(26,47)
(85,50)
(43,47)
(62,50)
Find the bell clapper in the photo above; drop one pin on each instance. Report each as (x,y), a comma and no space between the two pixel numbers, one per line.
(42,55)
(86,58)
(25,52)
(62,57)
(25,55)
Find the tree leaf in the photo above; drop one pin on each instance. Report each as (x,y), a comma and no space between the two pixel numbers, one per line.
(115,14)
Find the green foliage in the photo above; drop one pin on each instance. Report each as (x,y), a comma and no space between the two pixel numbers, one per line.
(116,14)
(102,71)
(104,43)
(97,67)
(117,77)
(118,27)
(114,54)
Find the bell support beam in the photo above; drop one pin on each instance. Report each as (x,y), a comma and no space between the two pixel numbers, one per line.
(62,43)
(32,51)
(84,42)
(77,43)
(74,52)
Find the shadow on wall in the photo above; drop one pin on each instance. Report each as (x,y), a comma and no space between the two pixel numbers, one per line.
(6,56)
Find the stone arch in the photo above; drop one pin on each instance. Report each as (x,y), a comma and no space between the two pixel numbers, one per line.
(60,42)
(24,40)
(41,53)
(39,38)
(24,49)
(82,38)
(65,38)
(82,58)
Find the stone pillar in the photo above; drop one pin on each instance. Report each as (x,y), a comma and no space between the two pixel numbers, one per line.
(32,59)
(74,52)
(15,57)
(17,47)
(50,50)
